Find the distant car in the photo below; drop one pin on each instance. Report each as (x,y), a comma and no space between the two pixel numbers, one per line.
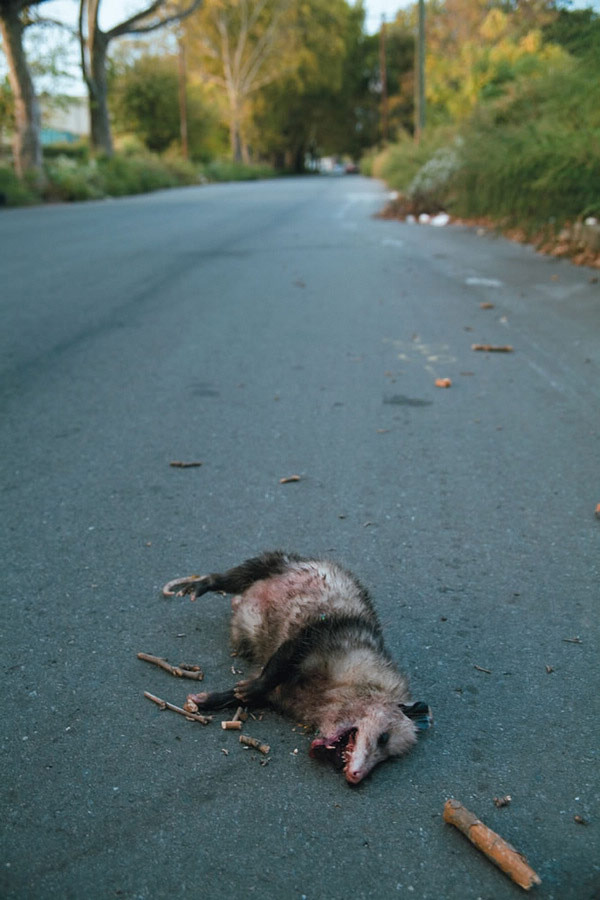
(351,169)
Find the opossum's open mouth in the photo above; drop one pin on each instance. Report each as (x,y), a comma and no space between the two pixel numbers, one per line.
(336,750)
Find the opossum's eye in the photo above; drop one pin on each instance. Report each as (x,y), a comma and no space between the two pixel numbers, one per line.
(383,738)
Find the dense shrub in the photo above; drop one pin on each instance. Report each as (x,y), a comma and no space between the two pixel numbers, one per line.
(68,180)
(530,157)
(14,192)
(78,150)
(226,170)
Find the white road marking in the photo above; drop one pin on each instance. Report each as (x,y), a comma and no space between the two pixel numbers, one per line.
(483,282)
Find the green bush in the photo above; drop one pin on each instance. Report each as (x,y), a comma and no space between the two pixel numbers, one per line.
(226,170)
(399,163)
(67,180)
(533,158)
(78,150)
(530,157)
(13,191)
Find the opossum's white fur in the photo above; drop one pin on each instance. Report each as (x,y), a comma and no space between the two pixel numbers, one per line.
(348,687)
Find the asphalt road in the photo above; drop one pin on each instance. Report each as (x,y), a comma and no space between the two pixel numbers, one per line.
(271,329)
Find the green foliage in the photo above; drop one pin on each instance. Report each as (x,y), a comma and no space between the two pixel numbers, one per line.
(144,102)
(13,191)
(78,150)
(398,164)
(123,174)
(312,108)
(69,180)
(535,156)
(528,154)
(228,170)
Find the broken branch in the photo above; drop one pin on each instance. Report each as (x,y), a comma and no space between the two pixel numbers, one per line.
(191,717)
(176,464)
(491,844)
(184,671)
(256,745)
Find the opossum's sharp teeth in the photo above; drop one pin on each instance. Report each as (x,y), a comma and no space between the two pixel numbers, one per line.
(336,749)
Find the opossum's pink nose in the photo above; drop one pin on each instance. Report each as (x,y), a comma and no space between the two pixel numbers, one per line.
(354,777)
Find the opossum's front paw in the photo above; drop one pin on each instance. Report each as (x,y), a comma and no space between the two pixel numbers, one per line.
(194,585)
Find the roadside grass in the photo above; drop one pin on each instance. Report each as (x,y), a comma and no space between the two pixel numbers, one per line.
(71,175)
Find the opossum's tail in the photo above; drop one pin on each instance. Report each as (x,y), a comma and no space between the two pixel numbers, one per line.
(234,581)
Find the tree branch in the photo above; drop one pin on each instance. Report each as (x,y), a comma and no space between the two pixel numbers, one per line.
(134,25)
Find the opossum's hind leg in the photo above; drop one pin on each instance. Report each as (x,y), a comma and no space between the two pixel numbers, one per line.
(194,585)
(214,700)
(233,581)
(281,667)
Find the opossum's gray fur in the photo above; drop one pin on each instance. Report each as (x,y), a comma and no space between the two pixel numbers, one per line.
(312,629)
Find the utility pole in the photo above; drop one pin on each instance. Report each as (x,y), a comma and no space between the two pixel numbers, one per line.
(420,74)
(183,123)
(383,78)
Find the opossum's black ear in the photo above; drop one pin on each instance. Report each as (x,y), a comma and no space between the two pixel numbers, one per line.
(419,712)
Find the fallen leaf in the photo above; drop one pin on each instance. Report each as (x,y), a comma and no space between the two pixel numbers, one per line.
(502,801)
(443,382)
(598,511)
(486,305)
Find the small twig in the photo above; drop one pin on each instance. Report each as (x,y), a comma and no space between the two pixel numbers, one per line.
(231,725)
(191,717)
(573,640)
(502,801)
(481,669)
(492,348)
(288,479)
(239,715)
(178,671)
(177,464)
(256,745)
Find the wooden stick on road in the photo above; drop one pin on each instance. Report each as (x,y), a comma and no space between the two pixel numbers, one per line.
(191,717)
(495,848)
(185,671)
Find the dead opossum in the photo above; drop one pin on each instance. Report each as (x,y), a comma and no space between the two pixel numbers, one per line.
(313,629)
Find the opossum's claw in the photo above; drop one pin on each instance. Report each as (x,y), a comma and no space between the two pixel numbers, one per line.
(191,584)
(249,692)
(198,699)
(419,712)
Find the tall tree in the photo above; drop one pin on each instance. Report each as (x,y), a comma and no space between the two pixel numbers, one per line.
(94,45)
(241,46)
(27,148)
(309,111)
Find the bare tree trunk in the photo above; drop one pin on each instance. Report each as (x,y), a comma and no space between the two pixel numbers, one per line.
(27,147)
(235,133)
(98,92)
(94,50)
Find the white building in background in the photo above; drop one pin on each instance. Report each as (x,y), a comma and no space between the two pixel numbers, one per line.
(65,119)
